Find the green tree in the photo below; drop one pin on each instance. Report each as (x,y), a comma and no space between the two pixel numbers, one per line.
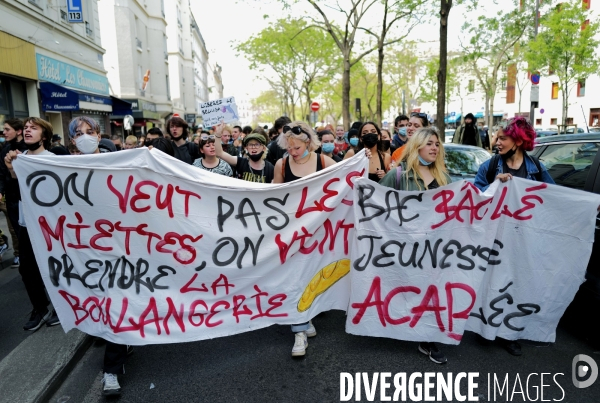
(565,47)
(491,44)
(300,59)
(268,106)
(401,71)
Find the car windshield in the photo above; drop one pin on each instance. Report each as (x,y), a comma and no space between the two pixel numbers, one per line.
(569,164)
(461,161)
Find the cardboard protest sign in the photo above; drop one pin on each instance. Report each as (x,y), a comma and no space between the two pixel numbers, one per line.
(137,247)
(224,109)
(428,265)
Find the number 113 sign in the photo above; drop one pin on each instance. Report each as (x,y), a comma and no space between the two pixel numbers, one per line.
(74,11)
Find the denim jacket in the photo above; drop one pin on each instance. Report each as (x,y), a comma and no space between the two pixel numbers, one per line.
(481,178)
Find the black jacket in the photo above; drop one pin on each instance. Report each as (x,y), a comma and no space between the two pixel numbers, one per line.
(9,187)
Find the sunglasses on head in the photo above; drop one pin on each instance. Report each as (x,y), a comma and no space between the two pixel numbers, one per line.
(207,136)
(295,130)
(419,114)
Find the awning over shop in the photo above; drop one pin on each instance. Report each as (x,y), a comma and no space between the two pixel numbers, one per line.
(479,115)
(452,119)
(121,107)
(59,98)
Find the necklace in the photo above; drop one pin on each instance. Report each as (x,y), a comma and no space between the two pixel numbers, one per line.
(300,163)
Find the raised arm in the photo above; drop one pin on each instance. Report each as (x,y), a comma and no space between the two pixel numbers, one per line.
(230,159)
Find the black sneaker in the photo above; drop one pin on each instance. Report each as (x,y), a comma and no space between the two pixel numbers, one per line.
(431,350)
(53,320)
(36,320)
(513,347)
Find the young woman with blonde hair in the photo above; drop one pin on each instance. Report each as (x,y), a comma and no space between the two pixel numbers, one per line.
(425,169)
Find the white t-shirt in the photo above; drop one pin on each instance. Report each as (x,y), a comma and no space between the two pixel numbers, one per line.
(21,216)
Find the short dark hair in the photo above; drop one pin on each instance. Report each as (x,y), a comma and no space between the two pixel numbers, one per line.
(400,118)
(178,122)
(238,127)
(280,122)
(157,131)
(203,143)
(115,137)
(16,124)
(356,125)
(163,145)
(247,129)
(105,136)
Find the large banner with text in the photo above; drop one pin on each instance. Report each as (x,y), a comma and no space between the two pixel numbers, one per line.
(137,247)
(426,266)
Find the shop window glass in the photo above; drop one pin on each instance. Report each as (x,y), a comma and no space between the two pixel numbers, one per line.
(19,96)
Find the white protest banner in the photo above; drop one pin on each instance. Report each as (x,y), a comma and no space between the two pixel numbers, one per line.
(224,109)
(429,265)
(137,247)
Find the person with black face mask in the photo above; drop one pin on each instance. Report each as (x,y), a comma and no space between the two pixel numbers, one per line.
(468,133)
(153,134)
(370,138)
(253,169)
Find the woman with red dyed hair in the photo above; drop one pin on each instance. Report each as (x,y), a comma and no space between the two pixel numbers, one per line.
(512,159)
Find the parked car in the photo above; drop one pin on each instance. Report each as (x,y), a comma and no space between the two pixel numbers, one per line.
(463,161)
(448,135)
(546,133)
(573,161)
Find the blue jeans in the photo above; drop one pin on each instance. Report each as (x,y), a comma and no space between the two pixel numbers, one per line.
(300,327)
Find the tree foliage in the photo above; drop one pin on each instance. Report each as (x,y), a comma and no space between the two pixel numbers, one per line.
(565,47)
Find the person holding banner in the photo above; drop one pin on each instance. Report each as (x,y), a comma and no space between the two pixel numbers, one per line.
(37,135)
(209,160)
(370,138)
(512,158)
(300,141)
(425,170)
(511,161)
(255,168)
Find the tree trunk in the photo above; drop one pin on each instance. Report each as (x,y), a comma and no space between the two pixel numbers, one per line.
(378,112)
(565,105)
(346,93)
(445,7)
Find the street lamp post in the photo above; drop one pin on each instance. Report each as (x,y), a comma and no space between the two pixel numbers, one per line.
(535,89)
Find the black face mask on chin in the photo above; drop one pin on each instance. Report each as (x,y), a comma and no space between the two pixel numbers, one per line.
(33,147)
(256,157)
(508,154)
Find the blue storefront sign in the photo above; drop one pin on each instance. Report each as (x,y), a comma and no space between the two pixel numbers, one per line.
(74,11)
(61,73)
(58,98)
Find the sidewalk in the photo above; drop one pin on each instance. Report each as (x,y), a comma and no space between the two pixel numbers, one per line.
(32,365)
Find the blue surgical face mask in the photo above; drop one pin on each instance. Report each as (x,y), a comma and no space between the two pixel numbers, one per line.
(2,139)
(353,141)
(423,162)
(402,131)
(305,153)
(327,147)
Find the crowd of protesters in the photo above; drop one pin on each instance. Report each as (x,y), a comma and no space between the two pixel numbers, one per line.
(409,157)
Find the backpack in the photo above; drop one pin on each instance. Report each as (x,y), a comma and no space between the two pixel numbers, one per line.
(491,173)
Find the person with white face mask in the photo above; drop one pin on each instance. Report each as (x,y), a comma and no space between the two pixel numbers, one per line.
(85,134)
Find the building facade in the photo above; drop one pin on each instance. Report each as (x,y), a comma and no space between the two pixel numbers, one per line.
(201,70)
(50,67)
(134,33)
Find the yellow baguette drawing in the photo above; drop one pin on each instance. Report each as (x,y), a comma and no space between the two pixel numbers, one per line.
(322,281)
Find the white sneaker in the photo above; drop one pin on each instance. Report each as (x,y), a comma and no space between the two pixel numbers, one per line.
(311,332)
(300,345)
(111,385)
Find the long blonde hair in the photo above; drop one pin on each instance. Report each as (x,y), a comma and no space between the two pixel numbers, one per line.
(411,156)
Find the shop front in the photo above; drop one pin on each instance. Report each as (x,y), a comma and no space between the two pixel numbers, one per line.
(18,76)
(145,117)
(68,91)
